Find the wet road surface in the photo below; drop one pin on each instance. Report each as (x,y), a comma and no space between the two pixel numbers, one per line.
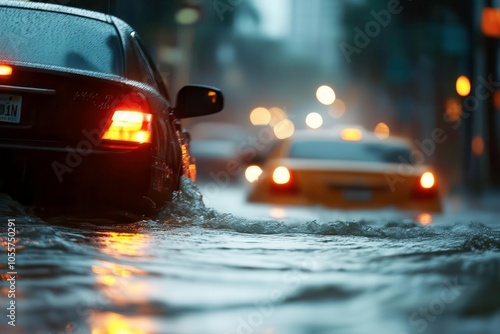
(219,265)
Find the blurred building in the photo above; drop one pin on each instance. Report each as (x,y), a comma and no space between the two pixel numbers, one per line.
(315,30)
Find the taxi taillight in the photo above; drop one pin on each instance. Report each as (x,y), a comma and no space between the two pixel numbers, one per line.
(5,70)
(427,180)
(283,181)
(426,187)
(131,121)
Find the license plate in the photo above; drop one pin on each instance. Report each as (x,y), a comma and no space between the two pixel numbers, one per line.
(357,195)
(10,108)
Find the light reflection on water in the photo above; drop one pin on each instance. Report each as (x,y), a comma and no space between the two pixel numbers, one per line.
(114,323)
(121,284)
(424,218)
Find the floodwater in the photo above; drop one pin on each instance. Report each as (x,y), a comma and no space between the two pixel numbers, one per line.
(223,266)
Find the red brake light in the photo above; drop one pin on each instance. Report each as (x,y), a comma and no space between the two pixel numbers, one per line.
(131,121)
(425,187)
(5,70)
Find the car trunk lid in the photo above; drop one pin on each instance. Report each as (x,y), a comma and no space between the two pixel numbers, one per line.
(54,105)
(354,183)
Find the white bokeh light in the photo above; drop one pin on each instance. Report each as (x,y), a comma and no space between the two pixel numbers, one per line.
(314,120)
(326,95)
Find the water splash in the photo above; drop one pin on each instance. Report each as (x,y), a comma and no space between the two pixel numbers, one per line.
(186,206)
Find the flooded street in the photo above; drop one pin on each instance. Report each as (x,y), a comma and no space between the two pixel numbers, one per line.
(201,269)
(116,105)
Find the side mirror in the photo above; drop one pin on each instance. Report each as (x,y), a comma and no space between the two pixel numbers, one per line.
(195,100)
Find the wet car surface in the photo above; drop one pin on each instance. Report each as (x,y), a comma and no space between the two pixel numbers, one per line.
(87,122)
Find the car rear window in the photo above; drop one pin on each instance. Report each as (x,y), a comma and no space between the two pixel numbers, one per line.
(56,39)
(351,151)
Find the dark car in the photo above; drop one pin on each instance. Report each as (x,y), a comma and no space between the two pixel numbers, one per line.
(85,117)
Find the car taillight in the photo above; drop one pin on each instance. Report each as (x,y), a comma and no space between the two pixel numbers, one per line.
(131,121)
(281,175)
(427,180)
(283,181)
(5,70)
(426,187)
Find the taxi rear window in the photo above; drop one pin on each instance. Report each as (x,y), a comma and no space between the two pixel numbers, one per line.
(56,39)
(350,151)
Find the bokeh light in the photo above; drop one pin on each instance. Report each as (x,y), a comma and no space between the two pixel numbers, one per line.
(351,134)
(260,116)
(453,111)
(382,130)
(314,120)
(284,129)
(337,109)
(496,99)
(478,145)
(277,115)
(252,173)
(427,180)
(281,175)
(424,218)
(463,85)
(325,95)
(187,15)
(277,213)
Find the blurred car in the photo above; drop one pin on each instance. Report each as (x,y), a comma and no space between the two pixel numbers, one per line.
(85,117)
(347,169)
(217,148)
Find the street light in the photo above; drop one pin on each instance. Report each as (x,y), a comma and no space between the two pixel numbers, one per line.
(260,116)
(314,120)
(463,85)
(326,95)
(188,14)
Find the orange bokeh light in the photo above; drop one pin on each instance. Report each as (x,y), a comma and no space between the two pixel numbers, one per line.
(478,145)
(463,85)
(490,23)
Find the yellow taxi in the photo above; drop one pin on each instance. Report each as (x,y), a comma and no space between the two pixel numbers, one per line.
(348,168)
